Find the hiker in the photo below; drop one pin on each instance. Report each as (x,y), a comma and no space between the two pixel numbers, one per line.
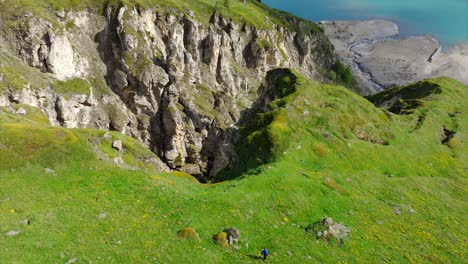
(265,253)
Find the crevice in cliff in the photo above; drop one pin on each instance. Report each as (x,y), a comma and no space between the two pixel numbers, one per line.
(158,132)
(58,109)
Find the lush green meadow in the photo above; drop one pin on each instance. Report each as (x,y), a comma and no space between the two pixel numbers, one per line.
(332,154)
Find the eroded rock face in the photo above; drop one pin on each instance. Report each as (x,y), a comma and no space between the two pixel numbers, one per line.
(76,111)
(41,46)
(177,85)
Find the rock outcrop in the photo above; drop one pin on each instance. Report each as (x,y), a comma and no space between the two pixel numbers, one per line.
(326,229)
(228,237)
(177,85)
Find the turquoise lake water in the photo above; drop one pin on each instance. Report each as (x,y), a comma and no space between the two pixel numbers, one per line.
(445,19)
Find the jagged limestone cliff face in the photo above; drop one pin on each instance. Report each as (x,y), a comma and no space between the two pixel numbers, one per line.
(178,85)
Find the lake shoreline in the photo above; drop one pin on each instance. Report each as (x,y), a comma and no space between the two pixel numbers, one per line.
(381,58)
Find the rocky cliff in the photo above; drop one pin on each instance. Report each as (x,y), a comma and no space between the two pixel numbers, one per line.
(175,83)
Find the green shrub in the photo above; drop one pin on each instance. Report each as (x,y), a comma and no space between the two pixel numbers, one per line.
(188,233)
(319,149)
(343,75)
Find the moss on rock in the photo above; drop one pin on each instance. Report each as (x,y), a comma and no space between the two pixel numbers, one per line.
(188,233)
(221,239)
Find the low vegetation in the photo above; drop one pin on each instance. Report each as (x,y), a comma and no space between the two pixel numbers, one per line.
(342,75)
(72,86)
(251,12)
(386,177)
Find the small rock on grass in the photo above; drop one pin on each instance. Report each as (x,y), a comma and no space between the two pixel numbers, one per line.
(21,111)
(12,233)
(49,171)
(102,215)
(119,161)
(117,145)
(71,261)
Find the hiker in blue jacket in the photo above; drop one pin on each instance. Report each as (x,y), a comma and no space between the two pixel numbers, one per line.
(265,253)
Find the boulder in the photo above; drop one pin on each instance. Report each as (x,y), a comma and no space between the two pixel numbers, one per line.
(232,235)
(326,228)
(107,135)
(117,145)
(228,237)
(49,171)
(119,161)
(21,111)
(71,261)
(12,233)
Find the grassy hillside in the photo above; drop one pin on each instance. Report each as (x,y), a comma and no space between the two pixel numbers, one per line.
(338,130)
(252,12)
(393,179)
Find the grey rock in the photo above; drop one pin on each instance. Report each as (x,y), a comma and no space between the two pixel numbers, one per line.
(71,261)
(397,211)
(233,235)
(328,135)
(119,161)
(50,171)
(21,111)
(117,144)
(192,169)
(326,228)
(61,13)
(12,233)
(102,216)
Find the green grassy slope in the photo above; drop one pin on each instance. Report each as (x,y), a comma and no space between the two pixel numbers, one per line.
(338,130)
(345,159)
(252,12)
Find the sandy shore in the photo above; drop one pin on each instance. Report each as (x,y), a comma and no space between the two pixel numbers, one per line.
(380,59)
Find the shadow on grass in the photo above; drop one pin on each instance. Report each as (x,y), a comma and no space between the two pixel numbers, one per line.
(252,256)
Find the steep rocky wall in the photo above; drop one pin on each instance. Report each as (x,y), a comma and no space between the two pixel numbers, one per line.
(177,85)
